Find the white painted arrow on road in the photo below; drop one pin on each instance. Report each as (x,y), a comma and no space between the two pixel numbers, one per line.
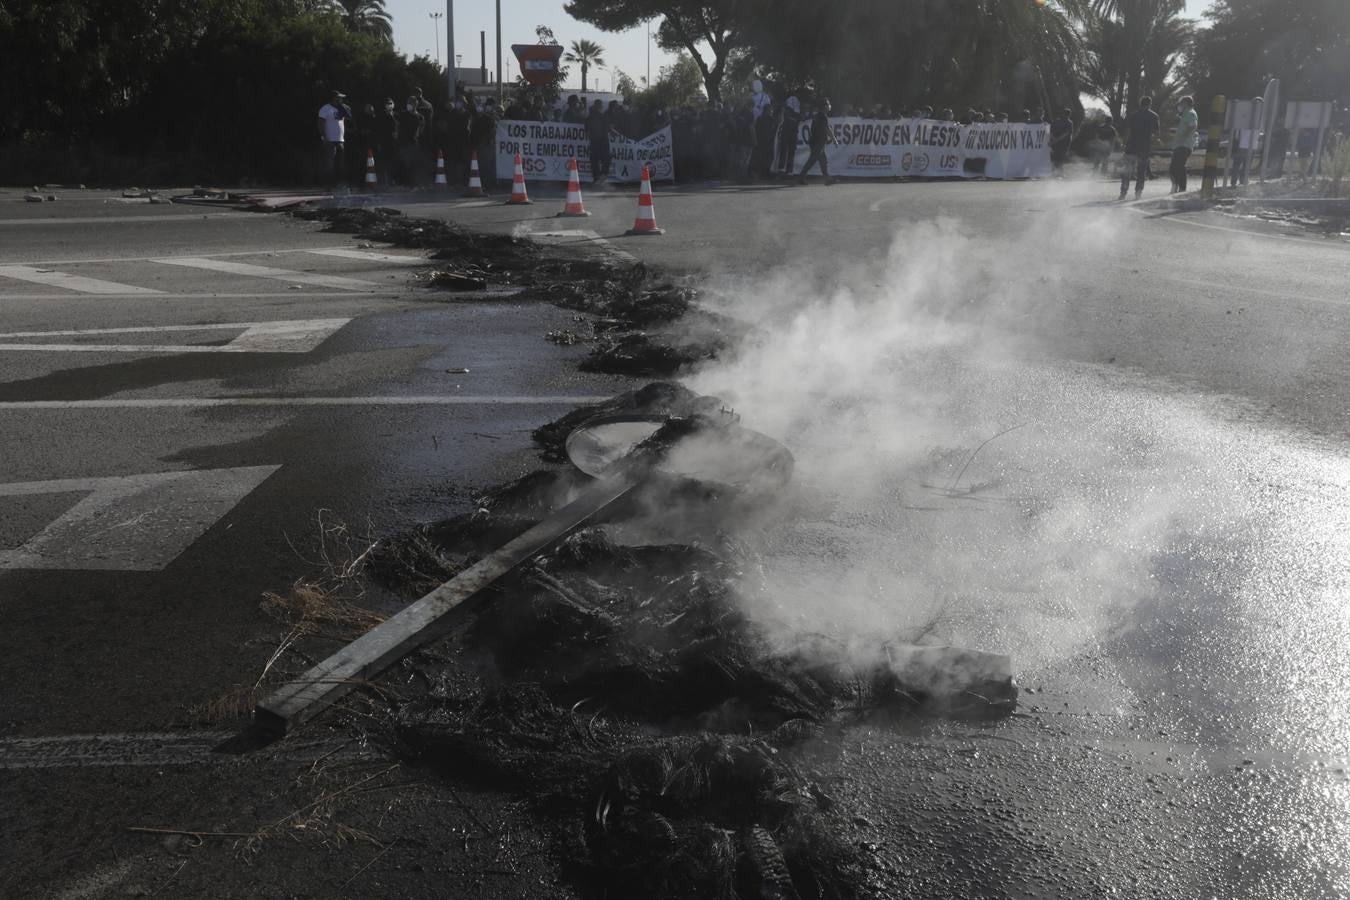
(295,336)
(137,523)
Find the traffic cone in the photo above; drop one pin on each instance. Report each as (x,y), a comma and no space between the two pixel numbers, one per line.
(372,183)
(645,223)
(475,183)
(518,194)
(441,183)
(573,206)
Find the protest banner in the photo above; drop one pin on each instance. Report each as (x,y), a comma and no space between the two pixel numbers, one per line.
(546,147)
(922,148)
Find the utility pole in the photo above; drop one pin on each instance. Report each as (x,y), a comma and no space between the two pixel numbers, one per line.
(649,53)
(499,52)
(436,30)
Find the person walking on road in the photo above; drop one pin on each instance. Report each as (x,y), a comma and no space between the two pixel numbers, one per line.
(788,126)
(1188,123)
(597,132)
(1142,125)
(1061,137)
(410,126)
(1103,145)
(821,134)
(483,141)
(386,141)
(332,124)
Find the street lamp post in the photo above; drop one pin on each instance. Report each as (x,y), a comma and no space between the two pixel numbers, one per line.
(450,42)
(436,29)
(499,52)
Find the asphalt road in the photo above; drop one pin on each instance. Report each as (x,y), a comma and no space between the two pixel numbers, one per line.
(1159,541)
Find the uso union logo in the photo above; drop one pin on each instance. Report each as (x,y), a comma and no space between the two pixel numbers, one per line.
(918,163)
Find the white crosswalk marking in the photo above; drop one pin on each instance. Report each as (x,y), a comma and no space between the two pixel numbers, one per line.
(369,256)
(289,336)
(137,523)
(235,268)
(71,282)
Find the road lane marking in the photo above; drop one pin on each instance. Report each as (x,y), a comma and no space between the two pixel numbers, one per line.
(169,748)
(126,259)
(1176,219)
(212,402)
(371,256)
(234,268)
(71,282)
(80,750)
(292,336)
(131,523)
(166,295)
(120,220)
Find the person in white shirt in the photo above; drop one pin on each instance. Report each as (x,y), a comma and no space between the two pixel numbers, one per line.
(332,125)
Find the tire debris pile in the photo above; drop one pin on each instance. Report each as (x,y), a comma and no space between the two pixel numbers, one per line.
(622,686)
(632,309)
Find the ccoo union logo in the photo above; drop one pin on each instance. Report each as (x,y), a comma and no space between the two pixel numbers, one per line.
(870,161)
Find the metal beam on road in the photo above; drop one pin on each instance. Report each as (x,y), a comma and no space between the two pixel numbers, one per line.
(425,620)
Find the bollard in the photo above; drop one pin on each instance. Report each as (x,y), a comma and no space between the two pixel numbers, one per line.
(1217,109)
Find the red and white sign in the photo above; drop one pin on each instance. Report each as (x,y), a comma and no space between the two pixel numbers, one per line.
(538,62)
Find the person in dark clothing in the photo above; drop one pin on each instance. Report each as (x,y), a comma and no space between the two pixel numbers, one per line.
(410,125)
(483,141)
(821,134)
(789,124)
(1103,143)
(428,114)
(597,132)
(456,120)
(1140,127)
(361,137)
(742,144)
(766,128)
(386,141)
(1061,138)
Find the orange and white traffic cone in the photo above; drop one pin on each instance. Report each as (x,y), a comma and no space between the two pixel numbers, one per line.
(372,182)
(645,223)
(574,206)
(441,183)
(475,188)
(518,194)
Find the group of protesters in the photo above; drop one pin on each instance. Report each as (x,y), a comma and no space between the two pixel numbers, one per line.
(403,141)
(756,139)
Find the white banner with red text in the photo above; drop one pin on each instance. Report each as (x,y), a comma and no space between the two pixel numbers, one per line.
(546,147)
(920,148)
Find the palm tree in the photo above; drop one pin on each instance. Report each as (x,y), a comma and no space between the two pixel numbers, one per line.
(587,53)
(1131,47)
(366,17)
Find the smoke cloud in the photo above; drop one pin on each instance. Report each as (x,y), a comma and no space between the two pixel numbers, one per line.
(951,484)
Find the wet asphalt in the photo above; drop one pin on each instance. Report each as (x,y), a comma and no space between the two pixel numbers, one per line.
(1160,544)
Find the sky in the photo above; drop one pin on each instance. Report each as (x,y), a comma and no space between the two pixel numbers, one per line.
(414,34)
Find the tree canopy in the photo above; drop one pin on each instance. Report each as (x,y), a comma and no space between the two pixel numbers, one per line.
(232,85)
(1304,43)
